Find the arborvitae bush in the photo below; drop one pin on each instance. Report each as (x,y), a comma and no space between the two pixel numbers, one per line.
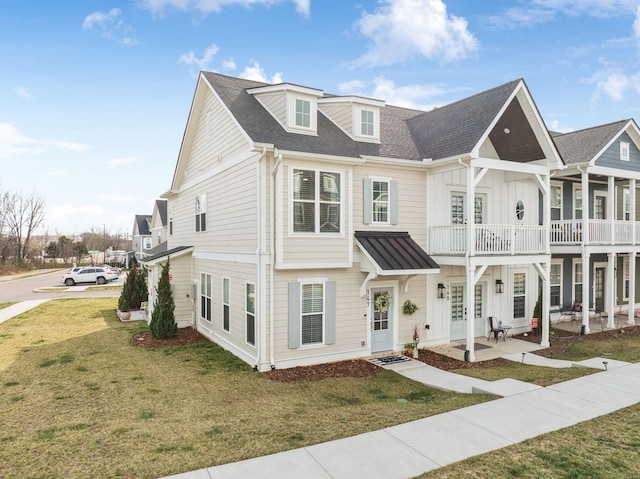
(140,291)
(163,323)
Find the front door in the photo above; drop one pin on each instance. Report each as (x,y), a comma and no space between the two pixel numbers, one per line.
(599,282)
(381,319)
(458,310)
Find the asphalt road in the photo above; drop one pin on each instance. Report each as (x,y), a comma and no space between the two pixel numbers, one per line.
(22,287)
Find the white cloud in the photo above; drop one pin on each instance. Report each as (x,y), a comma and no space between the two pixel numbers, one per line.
(636,25)
(55,173)
(404,29)
(422,97)
(303,7)
(110,25)
(118,162)
(554,125)
(615,84)
(534,12)
(229,65)
(200,63)
(13,143)
(257,73)
(23,91)
(115,198)
(67,213)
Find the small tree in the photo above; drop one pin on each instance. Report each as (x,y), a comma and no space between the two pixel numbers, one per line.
(163,324)
(140,291)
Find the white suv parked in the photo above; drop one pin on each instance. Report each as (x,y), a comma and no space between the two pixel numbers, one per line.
(89,274)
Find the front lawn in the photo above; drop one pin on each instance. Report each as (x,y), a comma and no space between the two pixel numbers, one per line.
(79,401)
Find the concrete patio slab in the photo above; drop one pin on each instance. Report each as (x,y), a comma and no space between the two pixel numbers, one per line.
(375,455)
(446,439)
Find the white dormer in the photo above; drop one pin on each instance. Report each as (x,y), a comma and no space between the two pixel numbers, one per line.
(358,117)
(295,107)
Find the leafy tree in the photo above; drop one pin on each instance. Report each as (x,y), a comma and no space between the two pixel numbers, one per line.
(163,323)
(140,292)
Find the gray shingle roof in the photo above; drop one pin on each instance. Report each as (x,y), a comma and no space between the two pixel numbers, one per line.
(455,129)
(583,145)
(162,211)
(395,251)
(405,133)
(143,222)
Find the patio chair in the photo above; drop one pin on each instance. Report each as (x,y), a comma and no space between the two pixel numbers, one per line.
(495,329)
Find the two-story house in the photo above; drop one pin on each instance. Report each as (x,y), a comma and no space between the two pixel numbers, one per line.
(595,222)
(301,222)
(141,235)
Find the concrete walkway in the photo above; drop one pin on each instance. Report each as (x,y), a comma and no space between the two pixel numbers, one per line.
(19,308)
(410,449)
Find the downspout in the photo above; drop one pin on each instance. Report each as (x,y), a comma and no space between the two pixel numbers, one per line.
(272,255)
(260,351)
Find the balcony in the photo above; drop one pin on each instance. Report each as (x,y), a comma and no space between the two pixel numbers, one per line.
(490,240)
(601,232)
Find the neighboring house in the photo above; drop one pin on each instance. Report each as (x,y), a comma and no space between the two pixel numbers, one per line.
(595,236)
(301,222)
(159,228)
(141,239)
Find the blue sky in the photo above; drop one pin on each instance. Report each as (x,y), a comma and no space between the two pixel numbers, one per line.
(94,95)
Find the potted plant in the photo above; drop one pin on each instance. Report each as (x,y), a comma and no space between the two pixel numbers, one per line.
(410,347)
(409,307)
(123,309)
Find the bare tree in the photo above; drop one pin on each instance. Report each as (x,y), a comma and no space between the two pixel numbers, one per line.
(24,215)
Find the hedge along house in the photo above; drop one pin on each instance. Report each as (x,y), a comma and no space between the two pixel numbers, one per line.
(299,222)
(595,222)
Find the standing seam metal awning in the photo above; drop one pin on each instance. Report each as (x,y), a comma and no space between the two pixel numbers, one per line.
(393,253)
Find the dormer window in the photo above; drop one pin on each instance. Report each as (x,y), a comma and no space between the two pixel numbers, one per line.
(303,113)
(366,123)
(624,151)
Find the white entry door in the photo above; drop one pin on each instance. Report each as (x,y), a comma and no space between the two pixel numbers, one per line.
(381,319)
(458,310)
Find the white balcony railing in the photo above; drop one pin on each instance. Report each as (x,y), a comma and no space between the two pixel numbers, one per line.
(489,240)
(569,232)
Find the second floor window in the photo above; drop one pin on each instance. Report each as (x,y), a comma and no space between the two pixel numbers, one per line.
(577,204)
(366,123)
(556,203)
(201,212)
(316,202)
(624,151)
(458,213)
(303,113)
(380,190)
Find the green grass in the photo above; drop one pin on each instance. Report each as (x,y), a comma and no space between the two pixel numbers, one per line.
(542,376)
(6,305)
(79,401)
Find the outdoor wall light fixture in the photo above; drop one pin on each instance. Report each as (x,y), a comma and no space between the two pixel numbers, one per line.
(441,290)
(499,286)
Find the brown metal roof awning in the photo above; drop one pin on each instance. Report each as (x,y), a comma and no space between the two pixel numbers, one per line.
(390,253)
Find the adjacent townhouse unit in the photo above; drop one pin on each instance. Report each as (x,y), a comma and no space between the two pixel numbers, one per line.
(301,223)
(141,239)
(595,223)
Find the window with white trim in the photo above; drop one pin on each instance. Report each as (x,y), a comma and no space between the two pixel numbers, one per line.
(556,202)
(577,283)
(147,242)
(250,310)
(458,213)
(626,204)
(303,113)
(201,212)
(555,283)
(205,296)
(577,204)
(625,278)
(312,313)
(519,211)
(226,304)
(519,295)
(316,201)
(367,118)
(380,201)
(624,151)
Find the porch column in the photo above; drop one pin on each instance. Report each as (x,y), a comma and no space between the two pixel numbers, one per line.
(586,287)
(610,298)
(470,213)
(632,210)
(611,208)
(470,310)
(546,299)
(632,288)
(585,207)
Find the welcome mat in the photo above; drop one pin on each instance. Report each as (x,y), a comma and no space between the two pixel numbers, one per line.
(389,360)
(476,347)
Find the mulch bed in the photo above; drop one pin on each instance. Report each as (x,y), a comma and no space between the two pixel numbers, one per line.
(360,368)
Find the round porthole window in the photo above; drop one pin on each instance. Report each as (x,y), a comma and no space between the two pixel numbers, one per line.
(519,210)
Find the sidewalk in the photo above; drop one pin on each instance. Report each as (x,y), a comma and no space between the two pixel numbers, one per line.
(19,308)
(410,449)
